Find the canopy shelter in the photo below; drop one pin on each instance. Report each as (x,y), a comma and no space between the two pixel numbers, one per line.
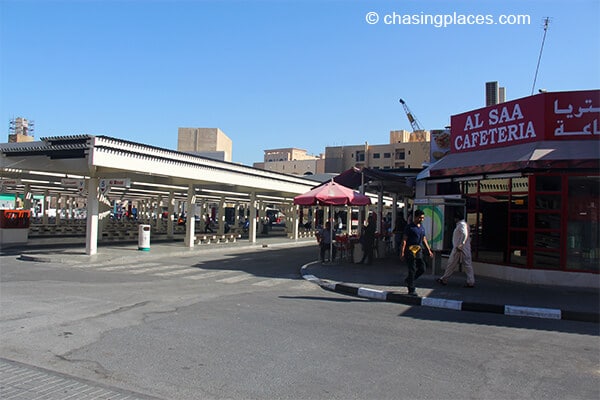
(88,167)
(332,194)
(522,158)
(398,183)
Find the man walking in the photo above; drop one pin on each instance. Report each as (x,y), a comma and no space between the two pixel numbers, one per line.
(461,252)
(414,242)
(368,240)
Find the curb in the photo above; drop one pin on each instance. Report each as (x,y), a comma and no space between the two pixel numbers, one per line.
(456,305)
(172,252)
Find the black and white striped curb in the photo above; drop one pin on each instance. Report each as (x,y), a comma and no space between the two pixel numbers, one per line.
(457,305)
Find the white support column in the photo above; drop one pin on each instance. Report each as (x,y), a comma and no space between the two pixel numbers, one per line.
(59,209)
(46,206)
(189,226)
(295,211)
(394,215)
(349,220)
(171,210)
(158,213)
(262,216)
(379,209)
(252,218)
(221,227)
(91,235)
(27,198)
(70,201)
(236,219)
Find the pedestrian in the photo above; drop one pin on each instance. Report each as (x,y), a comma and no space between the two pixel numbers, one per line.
(368,240)
(414,243)
(461,252)
(325,238)
(207,224)
(399,232)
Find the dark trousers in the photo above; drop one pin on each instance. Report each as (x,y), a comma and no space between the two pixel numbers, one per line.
(416,268)
(324,248)
(367,253)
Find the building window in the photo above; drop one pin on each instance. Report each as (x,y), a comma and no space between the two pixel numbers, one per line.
(360,156)
(400,155)
(583,223)
(542,221)
(387,155)
(375,155)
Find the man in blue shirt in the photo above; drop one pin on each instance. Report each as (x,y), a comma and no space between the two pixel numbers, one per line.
(414,242)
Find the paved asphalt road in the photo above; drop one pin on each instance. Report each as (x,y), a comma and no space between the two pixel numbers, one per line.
(244,325)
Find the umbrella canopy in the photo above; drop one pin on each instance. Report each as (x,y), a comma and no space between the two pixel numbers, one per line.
(332,194)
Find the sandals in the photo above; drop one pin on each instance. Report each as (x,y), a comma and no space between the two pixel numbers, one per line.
(441,281)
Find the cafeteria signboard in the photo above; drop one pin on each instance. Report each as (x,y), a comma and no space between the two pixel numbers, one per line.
(546,116)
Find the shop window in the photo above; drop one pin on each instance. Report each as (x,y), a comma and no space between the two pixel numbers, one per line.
(547,240)
(519,202)
(518,238)
(519,220)
(548,201)
(547,221)
(583,225)
(518,257)
(520,184)
(546,259)
(547,183)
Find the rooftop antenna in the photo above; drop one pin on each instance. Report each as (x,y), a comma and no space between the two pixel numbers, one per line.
(546,23)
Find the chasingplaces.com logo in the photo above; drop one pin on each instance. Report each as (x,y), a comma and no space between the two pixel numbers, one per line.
(445,20)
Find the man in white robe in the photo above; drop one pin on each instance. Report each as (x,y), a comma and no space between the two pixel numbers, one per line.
(461,252)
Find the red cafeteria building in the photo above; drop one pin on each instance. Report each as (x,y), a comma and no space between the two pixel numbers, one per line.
(529,172)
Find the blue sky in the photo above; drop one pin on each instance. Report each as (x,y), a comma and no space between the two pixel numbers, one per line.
(271,74)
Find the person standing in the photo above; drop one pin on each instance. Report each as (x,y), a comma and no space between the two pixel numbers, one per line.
(399,232)
(461,252)
(414,243)
(368,240)
(325,239)
(207,223)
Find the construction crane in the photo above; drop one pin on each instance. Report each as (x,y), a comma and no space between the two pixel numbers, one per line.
(416,127)
(413,121)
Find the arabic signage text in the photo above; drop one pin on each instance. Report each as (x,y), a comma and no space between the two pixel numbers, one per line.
(546,116)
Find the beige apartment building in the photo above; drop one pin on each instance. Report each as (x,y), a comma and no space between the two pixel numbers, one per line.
(292,161)
(405,150)
(205,142)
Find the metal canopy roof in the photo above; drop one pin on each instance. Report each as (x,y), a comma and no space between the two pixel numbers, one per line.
(152,170)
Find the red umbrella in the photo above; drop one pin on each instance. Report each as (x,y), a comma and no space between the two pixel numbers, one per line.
(332,194)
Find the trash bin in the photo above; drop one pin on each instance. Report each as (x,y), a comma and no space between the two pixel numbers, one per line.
(144,237)
(14,227)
